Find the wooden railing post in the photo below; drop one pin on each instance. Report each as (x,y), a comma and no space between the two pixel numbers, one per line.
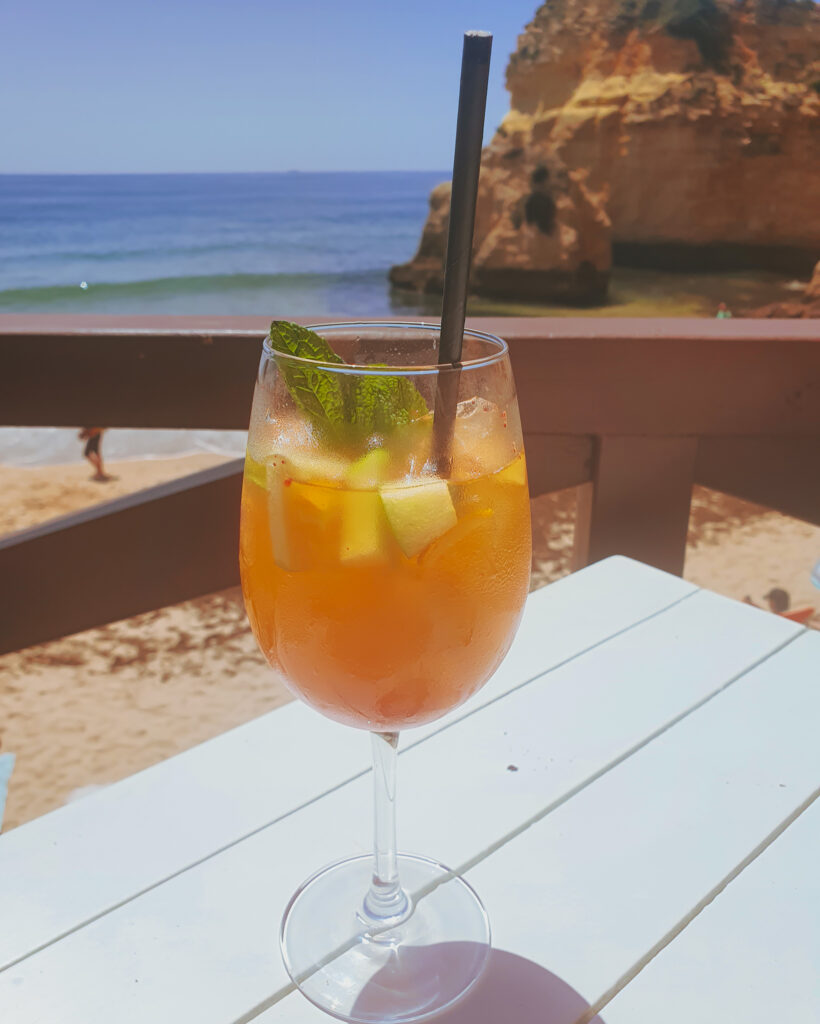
(638,501)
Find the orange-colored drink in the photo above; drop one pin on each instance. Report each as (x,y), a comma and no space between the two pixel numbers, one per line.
(385,557)
(385,597)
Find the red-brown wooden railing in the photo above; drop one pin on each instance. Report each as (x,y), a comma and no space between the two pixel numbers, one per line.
(632,412)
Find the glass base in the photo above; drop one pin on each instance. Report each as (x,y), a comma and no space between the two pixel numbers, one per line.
(378,974)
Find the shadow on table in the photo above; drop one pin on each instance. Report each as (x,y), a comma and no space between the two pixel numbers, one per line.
(512,990)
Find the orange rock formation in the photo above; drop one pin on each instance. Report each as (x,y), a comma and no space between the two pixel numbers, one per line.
(673,133)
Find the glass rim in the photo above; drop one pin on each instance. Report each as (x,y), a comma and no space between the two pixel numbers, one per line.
(501,353)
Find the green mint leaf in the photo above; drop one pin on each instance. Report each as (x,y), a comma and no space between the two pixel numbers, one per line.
(351,407)
(301,341)
(380,404)
(318,392)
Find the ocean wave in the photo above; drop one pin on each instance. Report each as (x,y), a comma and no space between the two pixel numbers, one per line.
(121,255)
(193,285)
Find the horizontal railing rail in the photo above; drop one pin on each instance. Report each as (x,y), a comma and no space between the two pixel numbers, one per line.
(632,412)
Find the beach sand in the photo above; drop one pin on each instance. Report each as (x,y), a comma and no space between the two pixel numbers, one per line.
(89,709)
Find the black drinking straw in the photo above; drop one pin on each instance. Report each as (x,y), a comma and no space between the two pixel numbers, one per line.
(472,100)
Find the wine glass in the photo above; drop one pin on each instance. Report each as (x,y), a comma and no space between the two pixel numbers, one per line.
(385,556)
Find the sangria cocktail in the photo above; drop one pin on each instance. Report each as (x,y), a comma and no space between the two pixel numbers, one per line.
(384,577)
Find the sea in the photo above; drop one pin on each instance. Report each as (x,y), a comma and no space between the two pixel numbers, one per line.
(275,244)
(279,245)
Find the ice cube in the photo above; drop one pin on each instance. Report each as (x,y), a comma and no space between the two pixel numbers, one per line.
(482,441)
(269,435)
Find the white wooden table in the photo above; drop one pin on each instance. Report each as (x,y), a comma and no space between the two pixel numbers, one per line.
(654,856)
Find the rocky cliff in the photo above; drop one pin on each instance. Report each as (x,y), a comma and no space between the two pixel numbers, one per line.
(673,133)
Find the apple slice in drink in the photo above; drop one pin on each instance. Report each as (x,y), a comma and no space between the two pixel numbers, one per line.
(419,513)
(363,526)
(299,490)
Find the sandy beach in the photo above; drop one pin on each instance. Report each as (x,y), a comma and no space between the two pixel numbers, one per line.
(93,708)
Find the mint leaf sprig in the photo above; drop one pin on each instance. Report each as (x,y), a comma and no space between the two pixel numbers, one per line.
(319,393)
(350,407)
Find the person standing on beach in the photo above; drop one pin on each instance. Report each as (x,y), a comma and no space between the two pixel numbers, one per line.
(93,439)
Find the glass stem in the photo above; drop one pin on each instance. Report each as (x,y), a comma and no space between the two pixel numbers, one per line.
(386,901)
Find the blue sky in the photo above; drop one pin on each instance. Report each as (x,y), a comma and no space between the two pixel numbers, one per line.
(246,85)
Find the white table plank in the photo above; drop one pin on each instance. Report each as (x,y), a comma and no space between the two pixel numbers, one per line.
(210,933)
(621,864)
(72,865)
(753,955)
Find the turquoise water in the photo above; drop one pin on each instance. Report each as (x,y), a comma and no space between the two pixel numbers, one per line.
(269,244)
